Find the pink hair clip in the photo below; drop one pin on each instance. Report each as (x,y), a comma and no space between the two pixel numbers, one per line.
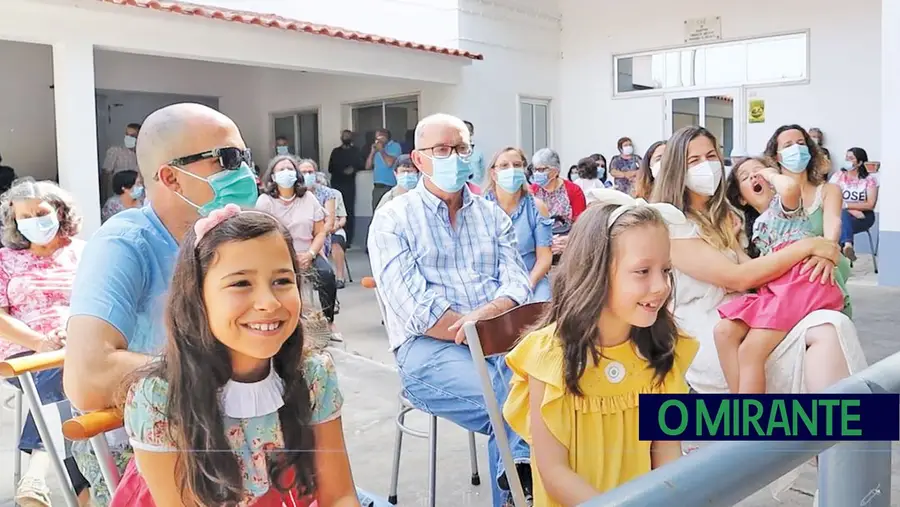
(208,223)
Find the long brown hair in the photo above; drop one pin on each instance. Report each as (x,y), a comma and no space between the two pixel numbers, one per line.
(581,290)
(716,219)
(196,366)
(643,186)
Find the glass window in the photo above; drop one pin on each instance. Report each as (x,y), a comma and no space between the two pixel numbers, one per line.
(302,132)
(399,116)
(534,116)
(775,59)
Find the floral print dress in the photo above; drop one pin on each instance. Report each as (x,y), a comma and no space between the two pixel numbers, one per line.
(250,439)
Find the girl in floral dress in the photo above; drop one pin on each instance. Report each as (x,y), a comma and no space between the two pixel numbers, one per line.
(607,338)
(755,323)
(234,413)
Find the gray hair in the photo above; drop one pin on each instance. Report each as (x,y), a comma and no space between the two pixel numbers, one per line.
(302,161)
(545,157)
(46,191)
(440,119)
(321,179)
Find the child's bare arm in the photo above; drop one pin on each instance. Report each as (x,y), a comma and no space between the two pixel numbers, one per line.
(785,187)
(552,457)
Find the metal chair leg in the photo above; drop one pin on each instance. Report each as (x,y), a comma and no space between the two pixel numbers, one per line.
(19,427)
(395,469)
(106,461)
(432,462)
(473,457)
(347,268)
(34,403)
(874,248)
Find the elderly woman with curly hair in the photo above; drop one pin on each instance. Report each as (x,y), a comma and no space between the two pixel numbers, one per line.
(38,224)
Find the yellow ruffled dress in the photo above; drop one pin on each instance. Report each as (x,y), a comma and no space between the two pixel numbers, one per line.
(600,429)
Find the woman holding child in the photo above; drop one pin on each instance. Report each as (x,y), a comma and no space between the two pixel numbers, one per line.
(711,268)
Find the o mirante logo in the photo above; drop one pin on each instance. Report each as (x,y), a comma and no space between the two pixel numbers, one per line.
(867,417)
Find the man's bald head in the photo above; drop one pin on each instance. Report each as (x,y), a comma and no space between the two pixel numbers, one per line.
(180,130)
(432,126)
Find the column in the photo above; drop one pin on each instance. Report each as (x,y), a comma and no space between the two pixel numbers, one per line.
(76,127)
(889,207)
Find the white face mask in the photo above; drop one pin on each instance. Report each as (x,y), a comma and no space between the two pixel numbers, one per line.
(654,168)
(628,150)
(704,178)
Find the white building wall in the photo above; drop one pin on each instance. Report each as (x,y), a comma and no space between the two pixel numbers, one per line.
(842,96)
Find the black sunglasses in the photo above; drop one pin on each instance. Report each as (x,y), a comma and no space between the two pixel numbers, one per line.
(230,158)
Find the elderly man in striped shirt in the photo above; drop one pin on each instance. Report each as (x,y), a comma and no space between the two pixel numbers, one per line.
(442,256)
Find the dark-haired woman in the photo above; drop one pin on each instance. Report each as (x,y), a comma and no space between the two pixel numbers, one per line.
(589,175)
(649,171)
(128,193)
(792,150)
(288,197)
(624,166)
(859,192)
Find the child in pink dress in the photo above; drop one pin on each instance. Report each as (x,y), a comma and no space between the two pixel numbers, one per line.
(755,323)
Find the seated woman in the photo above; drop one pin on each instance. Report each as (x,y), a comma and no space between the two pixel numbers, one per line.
(860,193)
(288,197)
(588,171)
(235,382)
(793,151)
(649,170)
(127,193)
(38,224)
(712,268)
(507,187)
(407,178)
(564,199)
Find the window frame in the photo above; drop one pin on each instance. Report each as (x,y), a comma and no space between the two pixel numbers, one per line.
(295,114)
(533,101)
(616,94)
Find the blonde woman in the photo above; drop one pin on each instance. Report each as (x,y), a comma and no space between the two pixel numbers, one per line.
(507,186)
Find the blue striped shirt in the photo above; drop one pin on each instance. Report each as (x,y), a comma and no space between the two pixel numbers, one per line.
(424,267)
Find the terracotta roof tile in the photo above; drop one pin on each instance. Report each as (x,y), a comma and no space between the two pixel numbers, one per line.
(275,21)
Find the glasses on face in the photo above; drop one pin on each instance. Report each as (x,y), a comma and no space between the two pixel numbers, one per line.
(543,169)
(230,158)
(444,151)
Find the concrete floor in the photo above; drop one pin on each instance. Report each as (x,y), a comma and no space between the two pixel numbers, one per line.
(370,385)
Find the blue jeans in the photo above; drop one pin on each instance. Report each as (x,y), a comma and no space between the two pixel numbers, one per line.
(439,378)
(850,225)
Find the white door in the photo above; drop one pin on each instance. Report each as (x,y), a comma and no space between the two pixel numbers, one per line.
(719,111)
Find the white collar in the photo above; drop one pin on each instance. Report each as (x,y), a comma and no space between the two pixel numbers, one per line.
(245,400)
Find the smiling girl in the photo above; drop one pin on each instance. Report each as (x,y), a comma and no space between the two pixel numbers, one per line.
(234,413)
(755,323)
(608,337)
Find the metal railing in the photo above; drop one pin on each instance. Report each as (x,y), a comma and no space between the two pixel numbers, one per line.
(851,474)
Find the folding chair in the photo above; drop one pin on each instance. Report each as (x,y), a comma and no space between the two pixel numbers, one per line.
(493,337)
(873,247)
(24,368)
(93,426)
(347,268)
(406,407)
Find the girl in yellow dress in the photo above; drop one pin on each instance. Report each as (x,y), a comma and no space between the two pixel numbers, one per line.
(607,338)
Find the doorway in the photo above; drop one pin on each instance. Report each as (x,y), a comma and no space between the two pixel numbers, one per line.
(719,111)
(116,109)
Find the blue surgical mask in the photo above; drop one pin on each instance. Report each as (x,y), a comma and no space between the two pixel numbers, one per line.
(540,179)
(408,180)
(39,230)
(511,179)
(282,150)
(450,174)
(285,179)
(130,142)
(236,186)
(137,192)
(795,158)
(846,165)
(309,180)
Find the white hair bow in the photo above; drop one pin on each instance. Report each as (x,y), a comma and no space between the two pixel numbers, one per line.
(607,196)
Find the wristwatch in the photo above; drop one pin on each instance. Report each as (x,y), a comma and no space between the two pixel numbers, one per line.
(312,253)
